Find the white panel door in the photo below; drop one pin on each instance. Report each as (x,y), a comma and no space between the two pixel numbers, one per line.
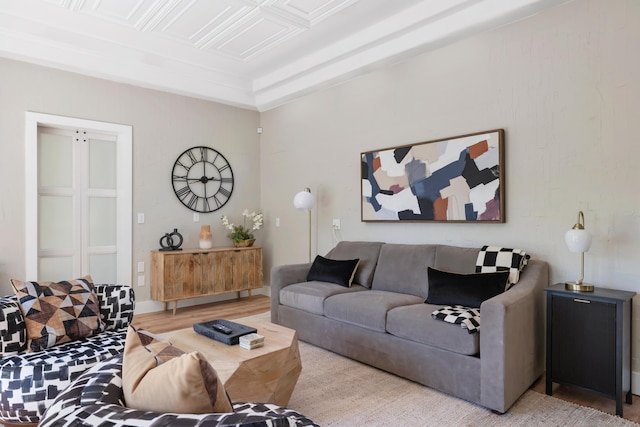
(78,204)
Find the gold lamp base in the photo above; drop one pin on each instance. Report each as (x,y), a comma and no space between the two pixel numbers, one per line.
(579,287)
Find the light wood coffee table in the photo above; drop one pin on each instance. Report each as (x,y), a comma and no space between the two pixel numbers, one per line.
(266,374)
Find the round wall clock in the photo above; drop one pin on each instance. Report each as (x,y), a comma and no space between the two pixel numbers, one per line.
(202,179)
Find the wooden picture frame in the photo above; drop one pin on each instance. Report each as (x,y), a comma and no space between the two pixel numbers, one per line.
(457,179)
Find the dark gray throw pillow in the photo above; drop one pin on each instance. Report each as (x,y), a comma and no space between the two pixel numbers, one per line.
(340,272)
(468,290)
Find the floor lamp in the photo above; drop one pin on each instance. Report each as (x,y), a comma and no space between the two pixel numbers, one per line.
(303,201)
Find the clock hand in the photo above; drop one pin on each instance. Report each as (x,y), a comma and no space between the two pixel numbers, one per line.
(203,180)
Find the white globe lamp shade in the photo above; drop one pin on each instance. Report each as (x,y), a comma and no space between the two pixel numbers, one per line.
(578,240)
(304,200)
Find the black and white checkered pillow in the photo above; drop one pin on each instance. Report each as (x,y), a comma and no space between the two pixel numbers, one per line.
(467,318)
(495,258)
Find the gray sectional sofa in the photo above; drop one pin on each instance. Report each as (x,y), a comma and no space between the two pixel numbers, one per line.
(383,320)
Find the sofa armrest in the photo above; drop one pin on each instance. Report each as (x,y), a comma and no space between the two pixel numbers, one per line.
(512,339)
(284,275)
(13,329)
(117,303)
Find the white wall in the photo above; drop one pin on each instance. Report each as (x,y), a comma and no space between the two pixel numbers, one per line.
(164,125)
(565,87)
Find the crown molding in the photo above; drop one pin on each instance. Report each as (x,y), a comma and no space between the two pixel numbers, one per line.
(54,37)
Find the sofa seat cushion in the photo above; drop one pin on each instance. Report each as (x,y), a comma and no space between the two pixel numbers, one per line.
(415,323)
(29,382)
(310,296)
(367,309)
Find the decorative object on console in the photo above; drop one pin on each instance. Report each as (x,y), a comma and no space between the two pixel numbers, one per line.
(206,239)
(304,201)
(242,235)
(202,179)
(458,179)
(579,240)
(171,241)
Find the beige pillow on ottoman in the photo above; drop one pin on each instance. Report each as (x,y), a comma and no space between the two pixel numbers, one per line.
(156,376)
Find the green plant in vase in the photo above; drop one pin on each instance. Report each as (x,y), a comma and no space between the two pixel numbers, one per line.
(242,235)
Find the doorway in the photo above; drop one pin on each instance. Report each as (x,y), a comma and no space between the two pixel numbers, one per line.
(78,199)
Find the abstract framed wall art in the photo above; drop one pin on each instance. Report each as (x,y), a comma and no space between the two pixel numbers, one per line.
(458,179)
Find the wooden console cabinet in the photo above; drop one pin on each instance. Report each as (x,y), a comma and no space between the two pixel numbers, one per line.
(192,273)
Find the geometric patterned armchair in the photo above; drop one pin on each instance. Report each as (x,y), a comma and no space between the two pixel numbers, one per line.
(30,382)
(96,399)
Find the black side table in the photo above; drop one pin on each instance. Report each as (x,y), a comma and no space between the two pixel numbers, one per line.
(589,341)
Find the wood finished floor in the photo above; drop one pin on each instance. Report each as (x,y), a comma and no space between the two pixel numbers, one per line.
(164,321)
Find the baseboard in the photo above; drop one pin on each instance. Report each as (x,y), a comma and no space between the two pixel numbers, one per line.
(150,306)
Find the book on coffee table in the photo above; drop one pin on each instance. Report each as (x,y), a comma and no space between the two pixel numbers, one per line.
(225,331)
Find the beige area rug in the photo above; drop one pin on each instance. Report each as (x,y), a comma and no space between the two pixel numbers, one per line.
(336,391)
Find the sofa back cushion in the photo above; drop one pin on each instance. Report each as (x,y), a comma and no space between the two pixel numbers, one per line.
(13,330)
(456,259)
(367,252)
(117,303)
(403,268)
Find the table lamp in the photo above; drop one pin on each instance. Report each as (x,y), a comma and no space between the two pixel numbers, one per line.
(578,240)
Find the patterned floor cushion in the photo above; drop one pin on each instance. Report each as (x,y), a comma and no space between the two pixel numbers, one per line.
(96,398)
(29,382)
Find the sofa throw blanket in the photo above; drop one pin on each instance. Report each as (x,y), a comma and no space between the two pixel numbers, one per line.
(467,318)
(495,258)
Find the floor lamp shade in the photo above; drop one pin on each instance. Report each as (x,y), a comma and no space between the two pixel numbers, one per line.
(303,201)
